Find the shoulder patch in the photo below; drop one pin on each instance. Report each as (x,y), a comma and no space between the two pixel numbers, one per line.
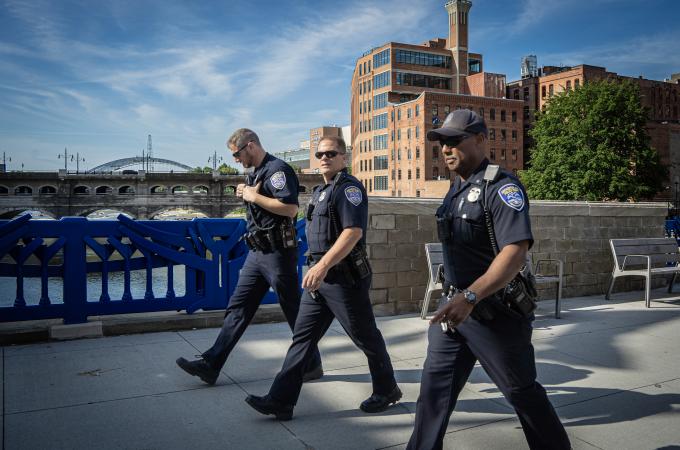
(512,196)
(354,195)
(278,180)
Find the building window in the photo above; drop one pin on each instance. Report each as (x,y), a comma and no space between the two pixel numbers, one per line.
(420,80)
(398,154)
(526,112)
(393,174)
(370,165)
(408,174)
(526,94)
(399,174)
(514,135)
(380,121)
(381,58)
(515,94)
(417,152)
(542,91)
(399,134)
(435,111)
(392,154)
(408,133)
(392,136)
(492,154)
(380,101)
(380,162)
(369,65)
(370,185)
(417,132)
(514,154)
(360,84)
(417,173)
(576,83)
(408,154)
(447,109)
(392,116)
(368,85)
(435,173)
(502,153)
(369,105)
(408,113)
(502,113)
(399,114)
(492,134)
(380,142)
(503,135)
(435,152)
(492,114)
(381,80)
(481,112)
(421,59)
(360,71)
(417,110)
(380,183)
(568,85)
(551,90)
(514,116)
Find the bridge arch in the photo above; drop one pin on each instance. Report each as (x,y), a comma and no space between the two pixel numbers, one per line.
(81,190)
(154,214)
(16,212)
(23,190)
(87,212)
(126,190)
(47,190)
(4,190)
(122,163)
(201,190)
(158,190)
(230,190)
(180,189)
(103,190)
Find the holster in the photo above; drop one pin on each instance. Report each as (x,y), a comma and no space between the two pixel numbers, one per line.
(278,237)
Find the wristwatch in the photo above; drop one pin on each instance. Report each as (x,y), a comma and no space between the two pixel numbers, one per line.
(470,297)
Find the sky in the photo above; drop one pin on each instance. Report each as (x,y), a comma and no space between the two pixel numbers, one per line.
(98,76)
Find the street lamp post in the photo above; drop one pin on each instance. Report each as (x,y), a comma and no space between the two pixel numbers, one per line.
(215,159)
(65,156)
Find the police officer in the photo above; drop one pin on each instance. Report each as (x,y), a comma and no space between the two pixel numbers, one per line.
(478,323)
(336,285)
(271,198)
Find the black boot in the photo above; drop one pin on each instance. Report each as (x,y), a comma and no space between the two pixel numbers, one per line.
(199,368)
(267,405)
(377,403)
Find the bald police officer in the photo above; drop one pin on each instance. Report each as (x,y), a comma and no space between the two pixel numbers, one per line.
(271,198)
(336,286)
(479,324)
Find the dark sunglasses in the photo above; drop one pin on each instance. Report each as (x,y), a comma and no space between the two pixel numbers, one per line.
(237,153)
(330,154)
(452,141)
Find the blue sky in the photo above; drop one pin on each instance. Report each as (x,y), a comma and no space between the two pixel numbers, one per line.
(99,76)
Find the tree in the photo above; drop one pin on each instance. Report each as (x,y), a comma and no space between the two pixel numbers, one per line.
(591,144)
(225,169)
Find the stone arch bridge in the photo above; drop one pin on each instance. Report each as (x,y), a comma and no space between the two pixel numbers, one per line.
(141,195)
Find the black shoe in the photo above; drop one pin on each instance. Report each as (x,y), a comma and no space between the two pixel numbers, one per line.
(313,374)
(377,403)
(199,368)
(267,405)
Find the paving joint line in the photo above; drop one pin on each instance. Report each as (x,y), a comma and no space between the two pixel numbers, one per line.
(233,381)
(90,349)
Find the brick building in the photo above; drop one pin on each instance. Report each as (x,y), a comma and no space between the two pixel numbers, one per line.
(315,135)
(661,98)
(401,91)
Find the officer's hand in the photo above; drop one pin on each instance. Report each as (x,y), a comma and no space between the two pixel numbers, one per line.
(250,193)
(455,311)
(314,276)
(239,190)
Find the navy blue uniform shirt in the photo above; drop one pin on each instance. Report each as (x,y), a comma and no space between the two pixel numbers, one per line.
(506,199)
(350,205)
(278,181)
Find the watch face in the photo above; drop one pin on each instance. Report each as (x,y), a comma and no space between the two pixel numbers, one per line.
(470,297)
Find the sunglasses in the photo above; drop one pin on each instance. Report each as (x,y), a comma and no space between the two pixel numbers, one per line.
(452,141)
(237,153)
(330,154)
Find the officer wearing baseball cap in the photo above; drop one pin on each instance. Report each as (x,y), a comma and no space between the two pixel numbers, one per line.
(485,230)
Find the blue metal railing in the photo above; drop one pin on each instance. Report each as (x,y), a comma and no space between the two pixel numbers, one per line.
(211,252)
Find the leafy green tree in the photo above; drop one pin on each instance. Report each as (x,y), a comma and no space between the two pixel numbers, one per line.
(225,169)
(591,144)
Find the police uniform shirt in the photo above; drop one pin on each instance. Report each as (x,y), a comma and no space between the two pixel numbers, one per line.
(278,181)
(507,202)
(350,206)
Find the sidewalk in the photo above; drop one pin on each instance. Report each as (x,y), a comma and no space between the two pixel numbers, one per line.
(611,368)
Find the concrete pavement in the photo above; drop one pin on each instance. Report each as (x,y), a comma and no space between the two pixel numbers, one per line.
(611,368)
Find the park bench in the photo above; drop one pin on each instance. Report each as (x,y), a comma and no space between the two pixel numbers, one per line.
(435,259)
(644,257)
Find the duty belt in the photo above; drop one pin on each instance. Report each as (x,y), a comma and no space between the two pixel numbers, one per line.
(276,238)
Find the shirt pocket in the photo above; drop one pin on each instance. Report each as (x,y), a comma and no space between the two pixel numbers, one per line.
(471,224)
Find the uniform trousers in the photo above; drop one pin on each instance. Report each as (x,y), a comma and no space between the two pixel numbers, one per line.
(503,348)
(260,271)
(352,307)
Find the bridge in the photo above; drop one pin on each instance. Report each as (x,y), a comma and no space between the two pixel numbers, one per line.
(143,195)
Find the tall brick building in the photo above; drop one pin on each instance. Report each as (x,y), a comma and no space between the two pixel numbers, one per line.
(661,98)
(401,91)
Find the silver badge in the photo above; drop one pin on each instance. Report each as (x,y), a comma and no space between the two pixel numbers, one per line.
(322,196)
(473,195)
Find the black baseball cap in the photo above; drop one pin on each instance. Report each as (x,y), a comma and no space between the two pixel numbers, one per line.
(461,123)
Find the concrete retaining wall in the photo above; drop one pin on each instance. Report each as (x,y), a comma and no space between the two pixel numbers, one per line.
(578,233)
